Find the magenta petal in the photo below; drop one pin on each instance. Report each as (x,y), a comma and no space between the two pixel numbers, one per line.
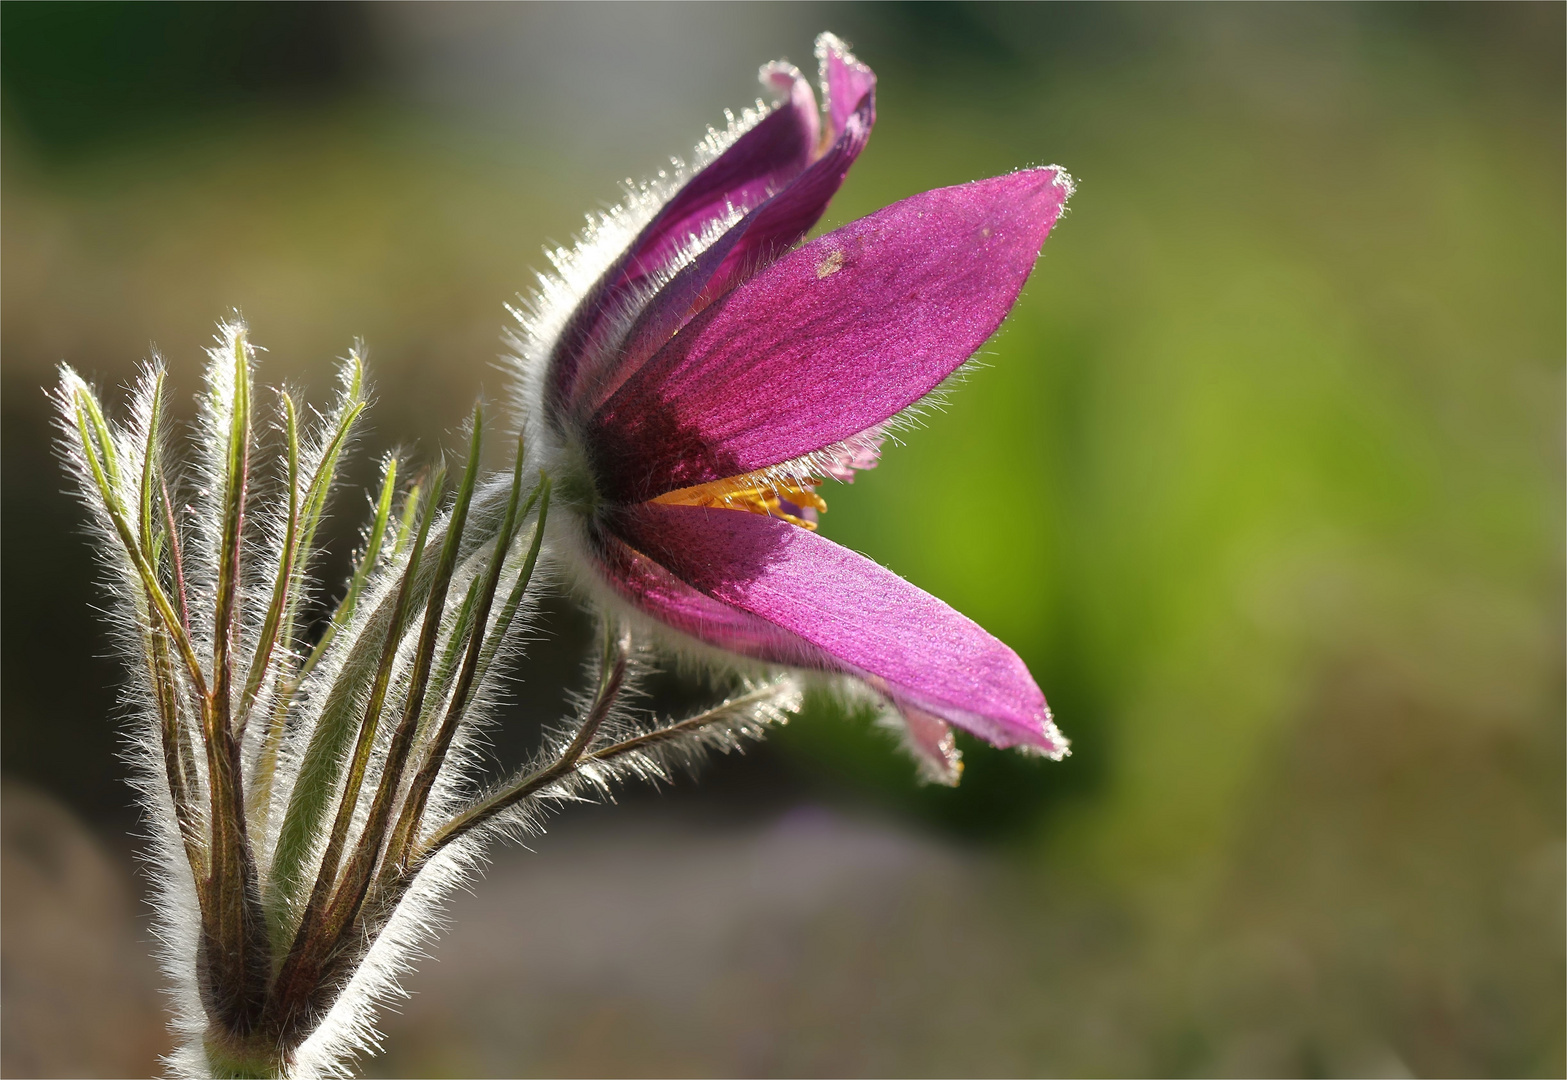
(845,82)
(654,591)
(759,163)
(782,221)
(868,620)
(830,340)
(750,245)
(750,171)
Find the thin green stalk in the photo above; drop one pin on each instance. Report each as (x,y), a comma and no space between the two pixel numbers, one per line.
(101,467)
(424,781)
(176,556)
(316,782)
(235,938)
(160,664)
(446,666)
(100,427)
(684,727)
(236,480)
(519,588)
(187,755)
(261,660)
(364,567)
(357,874)
(611,680)
(406,520)
(296,980)
(264,768)
(150,463)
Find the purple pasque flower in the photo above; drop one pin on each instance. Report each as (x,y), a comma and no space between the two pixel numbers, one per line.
(696,377)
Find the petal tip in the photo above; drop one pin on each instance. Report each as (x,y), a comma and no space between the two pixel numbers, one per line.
(1048,742)
(845,80)
(1063,180)
(1053,178)
(928,740)
(830,46)
(779,77)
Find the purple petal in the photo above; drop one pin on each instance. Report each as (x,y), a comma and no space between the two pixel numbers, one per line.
(750,245)
(867,620)
(759,163)
(845,82)
(829,341)
(930,740)
(750,171)
(654,591)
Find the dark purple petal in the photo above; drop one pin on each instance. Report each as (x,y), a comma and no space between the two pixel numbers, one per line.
(829,341)
(866,619)
(750,245)
(757,165)
(764,234)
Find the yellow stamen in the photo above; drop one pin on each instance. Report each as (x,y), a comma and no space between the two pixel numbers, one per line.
(754,493)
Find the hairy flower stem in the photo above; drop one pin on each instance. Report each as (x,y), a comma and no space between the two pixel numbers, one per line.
(182,778)
(332,935)
(356,876)
(298,978)
(260,663)
(689,726)
(264,771)
(368,560)
(612,679)
(413,807)
(234,940)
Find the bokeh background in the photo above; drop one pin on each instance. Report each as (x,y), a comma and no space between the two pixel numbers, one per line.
(1264,482)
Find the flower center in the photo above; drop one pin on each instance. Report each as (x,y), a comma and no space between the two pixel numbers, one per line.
(794,501)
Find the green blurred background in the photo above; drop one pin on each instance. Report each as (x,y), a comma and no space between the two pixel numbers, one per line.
(1264,482)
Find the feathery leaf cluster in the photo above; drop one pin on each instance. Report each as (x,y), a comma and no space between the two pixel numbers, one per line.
(311,790)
